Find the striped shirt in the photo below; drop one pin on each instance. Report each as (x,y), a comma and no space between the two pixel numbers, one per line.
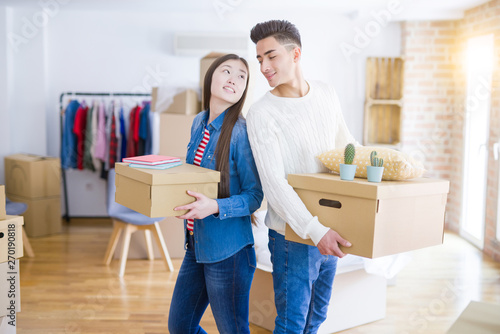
(197,162)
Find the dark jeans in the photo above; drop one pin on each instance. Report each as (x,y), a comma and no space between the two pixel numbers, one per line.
(303,280)
(225,285)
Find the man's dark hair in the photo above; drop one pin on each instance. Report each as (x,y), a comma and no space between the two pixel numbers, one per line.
(283,31)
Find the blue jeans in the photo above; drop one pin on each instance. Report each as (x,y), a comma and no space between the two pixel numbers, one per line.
(303,280)
(225,285)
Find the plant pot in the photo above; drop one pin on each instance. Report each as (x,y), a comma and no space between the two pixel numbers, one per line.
(347,172)
(374,174)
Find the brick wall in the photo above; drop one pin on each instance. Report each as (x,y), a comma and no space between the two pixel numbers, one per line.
(435,96)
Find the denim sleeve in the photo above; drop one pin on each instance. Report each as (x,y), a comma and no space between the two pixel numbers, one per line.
(250,195)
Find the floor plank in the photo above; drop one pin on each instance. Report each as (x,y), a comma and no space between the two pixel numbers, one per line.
(67,289)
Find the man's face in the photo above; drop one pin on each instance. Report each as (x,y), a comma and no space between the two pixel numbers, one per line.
(276,62)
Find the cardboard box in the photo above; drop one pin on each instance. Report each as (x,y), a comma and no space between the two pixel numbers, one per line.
(184,103)
(2,202)
(175,133)
(11,238)
(378,219)
(357,298)
(9,282)
(478,318)
(43,216)
(32,176)
(155,193)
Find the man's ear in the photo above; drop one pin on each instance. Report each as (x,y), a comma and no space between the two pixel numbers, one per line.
(297,53)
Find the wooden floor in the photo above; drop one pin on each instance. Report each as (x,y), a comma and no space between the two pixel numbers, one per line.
(67,289)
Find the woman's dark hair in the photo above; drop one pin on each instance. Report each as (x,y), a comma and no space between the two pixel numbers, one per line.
(232,115)
(284,32)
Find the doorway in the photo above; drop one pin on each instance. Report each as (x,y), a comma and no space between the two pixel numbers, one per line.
(476,135)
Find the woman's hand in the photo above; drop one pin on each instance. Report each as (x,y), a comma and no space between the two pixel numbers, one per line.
(201,208)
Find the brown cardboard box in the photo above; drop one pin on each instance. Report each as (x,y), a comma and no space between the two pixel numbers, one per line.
(175,132)
(32,176)
(478,318)
(43,216)
(11,238)
(155,193)
(2,202)
(9,282)
(377,218)
(184,103)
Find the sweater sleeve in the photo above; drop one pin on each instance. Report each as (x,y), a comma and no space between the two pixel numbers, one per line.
(264,139)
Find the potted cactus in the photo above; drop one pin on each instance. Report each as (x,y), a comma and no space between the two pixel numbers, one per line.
(376,170)
(347,169)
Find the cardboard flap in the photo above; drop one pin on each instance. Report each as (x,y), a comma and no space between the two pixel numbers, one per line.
(331,183)
(29,157)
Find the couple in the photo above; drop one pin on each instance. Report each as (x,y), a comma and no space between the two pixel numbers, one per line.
(287,128)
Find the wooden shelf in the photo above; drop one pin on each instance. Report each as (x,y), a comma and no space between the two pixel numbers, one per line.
(384,101)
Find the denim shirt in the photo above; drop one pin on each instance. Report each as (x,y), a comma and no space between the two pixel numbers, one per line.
(219,236)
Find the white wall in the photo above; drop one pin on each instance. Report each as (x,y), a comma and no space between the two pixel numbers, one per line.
(85,50)
(4,115)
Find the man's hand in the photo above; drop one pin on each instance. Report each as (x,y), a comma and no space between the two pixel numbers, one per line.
(201,208)
(329,244)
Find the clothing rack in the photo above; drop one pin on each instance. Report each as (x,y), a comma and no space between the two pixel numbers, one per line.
(61,126)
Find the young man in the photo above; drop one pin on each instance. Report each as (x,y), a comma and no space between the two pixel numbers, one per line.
(287,128)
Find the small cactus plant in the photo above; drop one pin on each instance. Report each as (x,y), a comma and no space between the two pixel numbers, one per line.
(375,161)
(349,153)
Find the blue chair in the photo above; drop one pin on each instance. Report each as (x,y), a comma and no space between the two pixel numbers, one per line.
(17,209)
(129,221)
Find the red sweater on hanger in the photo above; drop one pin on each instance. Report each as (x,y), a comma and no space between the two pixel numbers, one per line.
(133,134)
(79,128)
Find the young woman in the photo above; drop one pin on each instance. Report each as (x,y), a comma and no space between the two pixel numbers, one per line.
(219,263)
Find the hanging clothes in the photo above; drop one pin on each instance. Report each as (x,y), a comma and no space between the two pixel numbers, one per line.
(87,156)
(68,144)
(100,147)
(109,118)
(113,143)
(79,130)
(132,140)
(144,131)
(123,135)
(96,136)
(136,128)
(96,162)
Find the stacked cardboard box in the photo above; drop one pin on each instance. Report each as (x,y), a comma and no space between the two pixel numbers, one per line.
(184,103)
(36,181)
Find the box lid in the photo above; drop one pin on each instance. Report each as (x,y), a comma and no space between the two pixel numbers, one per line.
(331,183)
(185,173)
(29,157)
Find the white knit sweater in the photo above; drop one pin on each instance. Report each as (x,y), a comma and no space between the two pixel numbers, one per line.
(286,135)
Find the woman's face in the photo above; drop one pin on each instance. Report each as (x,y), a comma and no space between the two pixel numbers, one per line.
(229,81)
